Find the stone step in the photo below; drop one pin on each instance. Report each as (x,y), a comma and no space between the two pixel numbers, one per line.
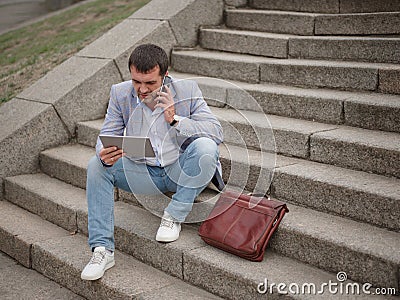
(370,198)
(302,234)
(355,148)
(291,136)
(268,132)
(328,6)
(380,23)
(270,21)
(375,111)
(368,49)
(67,163)
(354,48)
(244,41)
(18,282)
(312,190)
(62,256)
(87,132)
(360,149)
(62,163)
(302,23)
(300,72)
(361,196)
(130,278)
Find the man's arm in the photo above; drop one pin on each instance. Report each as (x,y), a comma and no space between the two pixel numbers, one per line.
(202,122)
(113,125)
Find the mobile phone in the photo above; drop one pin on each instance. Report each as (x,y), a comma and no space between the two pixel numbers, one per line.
(161,88)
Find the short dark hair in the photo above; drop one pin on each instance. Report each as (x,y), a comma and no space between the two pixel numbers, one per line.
(147,56)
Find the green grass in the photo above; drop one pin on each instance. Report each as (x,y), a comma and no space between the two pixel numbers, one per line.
(30,52)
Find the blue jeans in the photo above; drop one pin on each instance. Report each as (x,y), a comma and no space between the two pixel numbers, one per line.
(187,177)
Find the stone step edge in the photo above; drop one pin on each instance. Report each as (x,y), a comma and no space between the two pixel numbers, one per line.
(307,14)
(249,119)
(266,87)
(286,230)
(293,161)
(343,75)
(257,60)
(246,116)
(42,262)
(224,93)
(309,138)
(319,6)
(289,36)
(287,46)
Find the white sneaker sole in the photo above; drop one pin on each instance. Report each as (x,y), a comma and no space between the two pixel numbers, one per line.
(166,240)
(108,266)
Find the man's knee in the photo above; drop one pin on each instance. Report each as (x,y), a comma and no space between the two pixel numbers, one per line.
(204,146)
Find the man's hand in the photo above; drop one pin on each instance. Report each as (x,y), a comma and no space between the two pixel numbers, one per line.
(166,102)
(110,155)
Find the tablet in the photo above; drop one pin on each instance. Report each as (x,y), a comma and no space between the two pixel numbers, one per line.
(133,146)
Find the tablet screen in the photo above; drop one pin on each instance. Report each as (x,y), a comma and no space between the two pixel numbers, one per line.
(133,146)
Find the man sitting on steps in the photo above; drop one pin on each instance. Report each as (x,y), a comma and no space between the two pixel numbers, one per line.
(168,112)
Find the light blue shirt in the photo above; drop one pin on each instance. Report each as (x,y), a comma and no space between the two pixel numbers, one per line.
(161,135)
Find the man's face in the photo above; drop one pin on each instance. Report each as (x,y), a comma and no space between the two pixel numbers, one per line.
(146,83)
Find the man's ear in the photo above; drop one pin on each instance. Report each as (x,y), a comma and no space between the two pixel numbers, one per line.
(166,73)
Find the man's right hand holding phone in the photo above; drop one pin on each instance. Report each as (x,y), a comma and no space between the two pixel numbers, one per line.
(110,155)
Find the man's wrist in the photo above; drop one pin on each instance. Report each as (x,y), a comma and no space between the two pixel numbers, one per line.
(104,164)
(175,120)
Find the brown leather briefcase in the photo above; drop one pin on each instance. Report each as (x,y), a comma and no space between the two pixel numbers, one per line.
(242,224)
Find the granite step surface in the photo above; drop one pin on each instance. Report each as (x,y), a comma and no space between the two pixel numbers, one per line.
(358,195)
(305,23)
(355,148)
(359,149)
(299,72)
(350,48)
(18,282)
(375,111)
(61,256)
(370,198)
(328,6)
(304,234)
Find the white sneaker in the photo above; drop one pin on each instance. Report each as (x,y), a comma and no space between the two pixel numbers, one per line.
(98,264)
(169,229)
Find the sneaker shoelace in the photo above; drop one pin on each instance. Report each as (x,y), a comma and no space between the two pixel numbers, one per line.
(97,258)
(167,223)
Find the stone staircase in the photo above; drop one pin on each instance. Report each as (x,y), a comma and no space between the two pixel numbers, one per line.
(326,76)
(18,282)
